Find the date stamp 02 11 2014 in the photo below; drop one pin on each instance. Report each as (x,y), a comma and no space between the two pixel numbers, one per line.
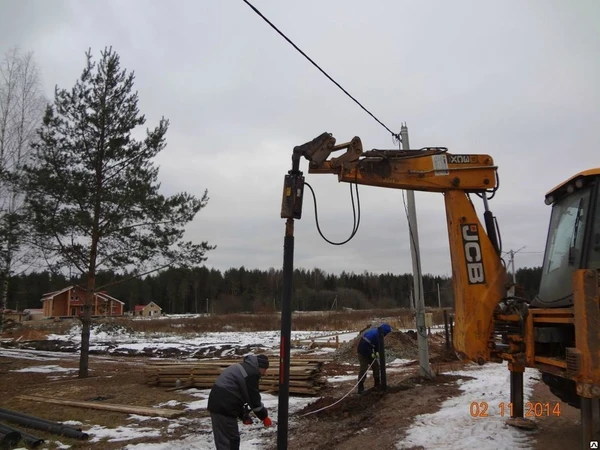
(532,409)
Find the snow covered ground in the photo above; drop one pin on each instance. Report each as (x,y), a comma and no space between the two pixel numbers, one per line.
(452,427)
(121,340)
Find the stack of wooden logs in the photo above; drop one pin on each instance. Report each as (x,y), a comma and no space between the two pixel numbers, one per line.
(304,374)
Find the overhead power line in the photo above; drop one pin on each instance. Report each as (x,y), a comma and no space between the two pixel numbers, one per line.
(394,135)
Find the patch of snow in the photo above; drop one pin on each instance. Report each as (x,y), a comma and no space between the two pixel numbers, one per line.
(399,362)
(146,418)
(45,369)
(200,404)
(36,355)
(171,427)
(342,378)
(121,433)
(169,404)
(120,339)
(72,423)
(454,428)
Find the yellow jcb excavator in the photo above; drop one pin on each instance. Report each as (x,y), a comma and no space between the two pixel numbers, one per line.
(557,332)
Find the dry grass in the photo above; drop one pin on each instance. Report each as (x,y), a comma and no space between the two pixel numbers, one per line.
(305,321)
(314,320)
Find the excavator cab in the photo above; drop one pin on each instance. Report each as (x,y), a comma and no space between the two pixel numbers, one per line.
(565,314)
(573,238)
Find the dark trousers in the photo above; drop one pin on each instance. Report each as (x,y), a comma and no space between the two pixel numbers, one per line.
(365,361)
(225,431)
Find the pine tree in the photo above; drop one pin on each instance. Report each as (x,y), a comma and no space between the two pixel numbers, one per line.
(92,188)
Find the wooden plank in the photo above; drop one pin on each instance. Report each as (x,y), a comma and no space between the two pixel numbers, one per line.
(220,367)
(129,409)
(198,371)
(314,390)
(304,374)
(227,362)
(210,380)
(191,373)
(305,366)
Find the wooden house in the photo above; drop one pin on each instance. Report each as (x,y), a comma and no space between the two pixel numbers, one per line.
(69,302)
(149,310)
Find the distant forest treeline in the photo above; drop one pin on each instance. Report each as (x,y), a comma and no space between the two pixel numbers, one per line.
(240,289)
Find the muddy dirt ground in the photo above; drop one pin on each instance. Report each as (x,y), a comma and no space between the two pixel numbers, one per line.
(380,419)
(375,419)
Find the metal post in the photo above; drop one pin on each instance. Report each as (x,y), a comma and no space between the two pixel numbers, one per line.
(381,351)
(446,329)
(516,390)
(291,208)
(424,367)
(439,297)
(286,333)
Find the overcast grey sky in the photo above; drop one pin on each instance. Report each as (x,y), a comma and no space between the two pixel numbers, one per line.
(516,79)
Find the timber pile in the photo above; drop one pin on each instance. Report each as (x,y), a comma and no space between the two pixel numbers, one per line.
(332,341)
(304,374)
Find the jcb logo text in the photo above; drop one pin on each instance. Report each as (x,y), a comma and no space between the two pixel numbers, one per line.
(473,256)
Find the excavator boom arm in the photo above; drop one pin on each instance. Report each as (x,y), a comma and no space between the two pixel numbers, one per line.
(480,279)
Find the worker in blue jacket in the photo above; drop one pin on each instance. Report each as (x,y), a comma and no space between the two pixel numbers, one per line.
(368,347)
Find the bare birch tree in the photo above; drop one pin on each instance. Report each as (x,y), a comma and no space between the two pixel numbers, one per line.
(21,110)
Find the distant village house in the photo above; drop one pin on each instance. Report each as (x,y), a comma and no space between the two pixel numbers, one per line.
(149,310)
(69,302)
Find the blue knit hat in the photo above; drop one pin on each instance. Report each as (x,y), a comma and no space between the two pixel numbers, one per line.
(386,328)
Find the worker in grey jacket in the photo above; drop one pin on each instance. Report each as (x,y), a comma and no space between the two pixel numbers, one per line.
(236,387)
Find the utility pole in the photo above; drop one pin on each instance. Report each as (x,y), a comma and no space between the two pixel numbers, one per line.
(512,254)
(512,265)
(424,367)
(439,298)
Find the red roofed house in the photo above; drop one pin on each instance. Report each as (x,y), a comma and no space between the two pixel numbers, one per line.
(69,302)
(149,310)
